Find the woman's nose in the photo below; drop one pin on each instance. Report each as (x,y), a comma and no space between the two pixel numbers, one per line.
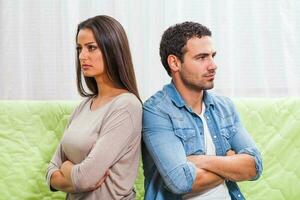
(82,55)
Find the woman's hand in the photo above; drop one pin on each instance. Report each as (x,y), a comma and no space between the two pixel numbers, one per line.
(66,169)
(99,183)
(59,182)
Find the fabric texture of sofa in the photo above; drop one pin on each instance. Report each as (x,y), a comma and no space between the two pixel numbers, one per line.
(31,130)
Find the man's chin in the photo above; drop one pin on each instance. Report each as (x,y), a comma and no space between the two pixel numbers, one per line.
(210,87)
(201,88)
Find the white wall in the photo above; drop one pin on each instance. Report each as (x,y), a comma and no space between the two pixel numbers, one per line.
(257,44)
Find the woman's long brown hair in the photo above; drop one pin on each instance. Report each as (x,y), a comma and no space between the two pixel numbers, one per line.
(113,43)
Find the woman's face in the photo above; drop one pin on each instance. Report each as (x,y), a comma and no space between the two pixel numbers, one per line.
(90,55)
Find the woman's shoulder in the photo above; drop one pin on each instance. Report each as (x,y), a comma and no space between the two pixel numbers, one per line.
(84,102)
(127,101)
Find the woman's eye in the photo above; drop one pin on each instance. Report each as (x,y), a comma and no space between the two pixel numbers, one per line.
(79,49)
(92,48)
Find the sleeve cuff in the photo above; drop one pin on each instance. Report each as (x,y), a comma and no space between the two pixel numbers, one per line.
(74,178)
(258,162)
(191,176)
(51,169)
(192,168)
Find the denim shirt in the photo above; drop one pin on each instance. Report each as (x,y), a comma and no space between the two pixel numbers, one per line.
(172,131)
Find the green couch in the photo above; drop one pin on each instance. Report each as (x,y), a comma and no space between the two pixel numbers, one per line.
(30,131)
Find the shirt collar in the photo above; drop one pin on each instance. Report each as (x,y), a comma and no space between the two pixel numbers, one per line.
(174,95)
(208,100)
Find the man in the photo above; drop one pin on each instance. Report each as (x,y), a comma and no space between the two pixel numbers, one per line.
(194,144)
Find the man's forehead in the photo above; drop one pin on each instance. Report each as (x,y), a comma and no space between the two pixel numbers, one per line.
(200,45)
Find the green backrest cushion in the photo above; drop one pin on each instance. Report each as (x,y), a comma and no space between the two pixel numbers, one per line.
(31,130)
(275,126)
(29,134)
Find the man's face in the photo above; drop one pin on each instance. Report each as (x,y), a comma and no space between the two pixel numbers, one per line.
(198,68)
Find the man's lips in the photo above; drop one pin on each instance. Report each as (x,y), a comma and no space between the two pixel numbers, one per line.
(210,75)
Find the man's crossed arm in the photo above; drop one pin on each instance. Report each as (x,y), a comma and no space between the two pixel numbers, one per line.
(213,170)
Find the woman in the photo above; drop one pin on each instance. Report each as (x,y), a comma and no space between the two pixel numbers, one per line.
(98,155)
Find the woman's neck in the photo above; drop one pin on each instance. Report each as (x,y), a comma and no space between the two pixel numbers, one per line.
(106,92)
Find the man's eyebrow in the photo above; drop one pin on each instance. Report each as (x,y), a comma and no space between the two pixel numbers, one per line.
(201,54)
(205,54)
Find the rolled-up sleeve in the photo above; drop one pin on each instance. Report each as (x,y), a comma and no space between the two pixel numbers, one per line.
(55,164)
(258,161)
(167,152)
(242,142)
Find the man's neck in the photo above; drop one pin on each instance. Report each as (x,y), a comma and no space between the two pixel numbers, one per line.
(192,98)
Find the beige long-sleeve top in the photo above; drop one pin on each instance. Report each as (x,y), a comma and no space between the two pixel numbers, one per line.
(107,138)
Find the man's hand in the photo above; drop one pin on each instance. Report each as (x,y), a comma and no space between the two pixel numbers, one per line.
(230,153)
(194,159)
(204,179)
(234,167)
(197,158)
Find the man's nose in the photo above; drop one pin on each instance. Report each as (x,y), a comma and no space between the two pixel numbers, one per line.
(213,65)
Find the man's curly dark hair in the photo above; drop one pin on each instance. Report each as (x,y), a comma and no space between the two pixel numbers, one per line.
(174,40)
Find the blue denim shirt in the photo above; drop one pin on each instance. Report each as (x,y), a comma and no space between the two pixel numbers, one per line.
(172,131)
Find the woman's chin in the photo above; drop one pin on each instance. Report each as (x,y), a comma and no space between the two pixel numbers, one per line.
(86,74)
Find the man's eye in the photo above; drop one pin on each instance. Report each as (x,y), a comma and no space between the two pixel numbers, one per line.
(201,57)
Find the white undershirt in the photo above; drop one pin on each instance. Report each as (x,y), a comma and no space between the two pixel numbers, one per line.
(219,192)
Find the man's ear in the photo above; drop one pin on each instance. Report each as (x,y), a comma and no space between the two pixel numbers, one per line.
(174,63)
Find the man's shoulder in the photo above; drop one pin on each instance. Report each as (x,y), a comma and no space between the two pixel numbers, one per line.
(160,97)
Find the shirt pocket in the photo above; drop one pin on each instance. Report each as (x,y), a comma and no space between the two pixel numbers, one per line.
(188,138)
(227,133)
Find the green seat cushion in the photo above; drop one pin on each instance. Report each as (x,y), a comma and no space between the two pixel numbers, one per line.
(29,134)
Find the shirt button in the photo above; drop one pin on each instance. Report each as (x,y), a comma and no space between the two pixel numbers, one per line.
(207,117)
(239,195)
(215,136)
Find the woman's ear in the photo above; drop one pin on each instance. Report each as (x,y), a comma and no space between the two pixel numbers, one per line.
(174,63)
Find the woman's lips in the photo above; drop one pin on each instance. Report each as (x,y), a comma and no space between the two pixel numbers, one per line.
(85,67)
